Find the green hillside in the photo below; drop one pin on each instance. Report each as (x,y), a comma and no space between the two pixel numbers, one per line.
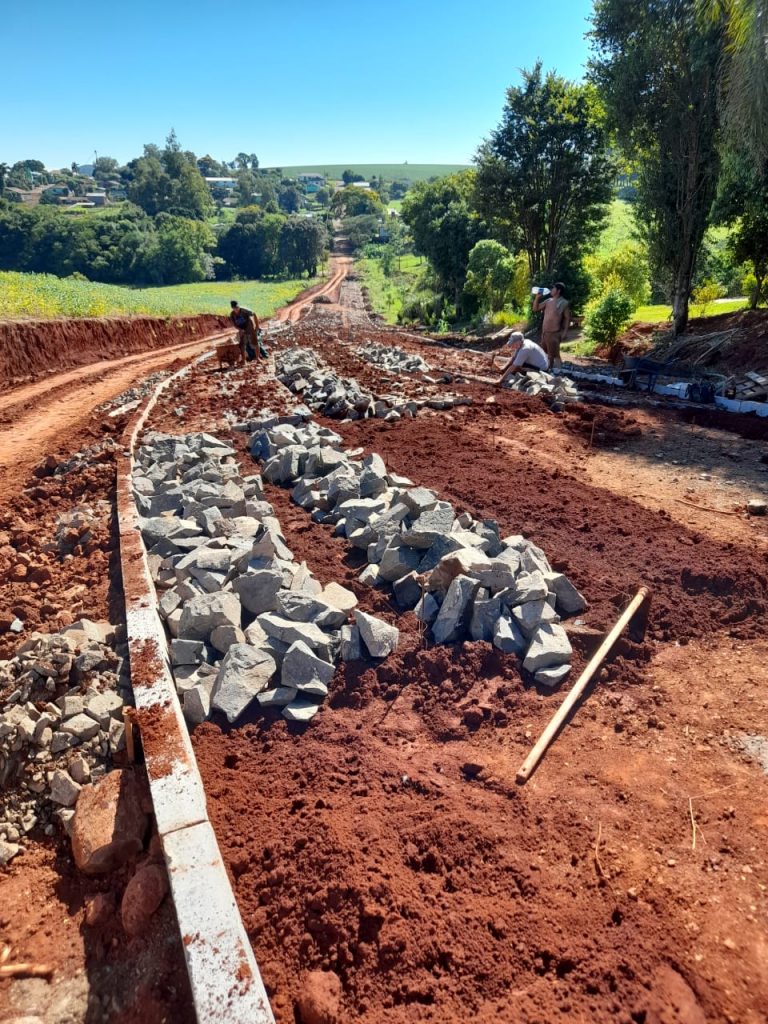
(392,172)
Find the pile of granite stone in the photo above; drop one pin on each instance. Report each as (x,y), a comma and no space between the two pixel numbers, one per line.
(248,624)
(61,724)
(459,575)
(560,389)
(325,392)
(390,357)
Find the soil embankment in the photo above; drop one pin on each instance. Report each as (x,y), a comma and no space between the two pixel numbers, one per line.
(32,347)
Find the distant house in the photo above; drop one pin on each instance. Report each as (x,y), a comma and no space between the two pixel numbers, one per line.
(27,196)
(227,184)
(57,190)
(312,179)
(96,198)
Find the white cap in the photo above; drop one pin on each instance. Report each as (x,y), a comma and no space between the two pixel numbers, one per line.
(516,338)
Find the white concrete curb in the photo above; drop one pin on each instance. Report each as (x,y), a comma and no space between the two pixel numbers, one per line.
(223,973)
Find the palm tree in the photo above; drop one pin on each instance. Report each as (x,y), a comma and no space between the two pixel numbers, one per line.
(744,71)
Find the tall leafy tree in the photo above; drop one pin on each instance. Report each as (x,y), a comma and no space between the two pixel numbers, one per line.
(544,177)
(445,227)
(657,65)
(742,203)
(744,72)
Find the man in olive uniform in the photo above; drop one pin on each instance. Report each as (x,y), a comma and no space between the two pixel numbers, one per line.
(557,319)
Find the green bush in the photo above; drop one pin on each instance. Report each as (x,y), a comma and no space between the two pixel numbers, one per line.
(607,316)
(707,292)
(625,267)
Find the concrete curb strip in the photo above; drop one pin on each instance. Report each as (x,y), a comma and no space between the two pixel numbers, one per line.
(223,973)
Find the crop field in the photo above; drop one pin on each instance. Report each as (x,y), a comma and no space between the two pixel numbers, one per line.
(45,296)
(392,172)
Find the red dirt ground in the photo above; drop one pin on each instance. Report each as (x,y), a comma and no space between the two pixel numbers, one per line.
(388,842)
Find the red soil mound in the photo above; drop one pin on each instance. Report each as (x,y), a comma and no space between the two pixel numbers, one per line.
(30,347)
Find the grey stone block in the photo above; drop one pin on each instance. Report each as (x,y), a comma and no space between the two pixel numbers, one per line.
(222,638)
(568,600)
(427,608)
(407,590)
(549,647)
(496,575)
(300,711)
(379,637)
(339,597)
(288,632)
(306,608)
(434,523)
(552,676)
(351,649)
(196,705)
(397,561)
(64,789)
(244,672)
(277,697)
(507,635)
(453,618)
(301,668)
(419,499)
(258,590)
(532,614)
(528,586)
(202,614)
(485,614)
(370,576)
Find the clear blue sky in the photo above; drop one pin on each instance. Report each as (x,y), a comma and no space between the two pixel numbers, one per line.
(294,82)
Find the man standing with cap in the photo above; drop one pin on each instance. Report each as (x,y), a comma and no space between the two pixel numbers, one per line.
(524,355)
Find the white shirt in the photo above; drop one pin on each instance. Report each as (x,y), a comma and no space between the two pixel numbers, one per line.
(531,354)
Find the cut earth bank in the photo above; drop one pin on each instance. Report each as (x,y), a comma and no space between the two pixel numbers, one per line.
(387,843)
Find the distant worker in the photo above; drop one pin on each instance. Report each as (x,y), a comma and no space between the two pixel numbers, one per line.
(523,353)
(557,320)
(247,324)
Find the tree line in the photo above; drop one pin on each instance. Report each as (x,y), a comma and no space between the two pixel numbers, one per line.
(674,105)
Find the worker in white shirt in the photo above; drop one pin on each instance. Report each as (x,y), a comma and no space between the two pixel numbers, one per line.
(522,354)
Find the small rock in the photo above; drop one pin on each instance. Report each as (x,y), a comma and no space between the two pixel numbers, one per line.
(99,909)
(143,895)
(379,637)
(320,997)
(755,507)
(7,852)
(300,711)
(109,824)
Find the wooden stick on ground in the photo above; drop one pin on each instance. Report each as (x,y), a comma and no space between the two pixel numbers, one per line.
(705,508)
(527,767)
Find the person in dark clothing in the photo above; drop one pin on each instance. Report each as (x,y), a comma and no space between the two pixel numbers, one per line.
(247,324)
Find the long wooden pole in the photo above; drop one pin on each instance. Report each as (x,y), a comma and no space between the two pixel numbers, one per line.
(579,687)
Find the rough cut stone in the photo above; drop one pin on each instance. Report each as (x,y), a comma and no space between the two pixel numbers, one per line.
(427,608)
(197,704)
(277,697)
(436,522)
(379,637)
(82,727)
(202,614)
(186,652)
(258,590)
(244,672)
(398,561)
(459,563)
(339,597)
(64,789)
(109,823)
(552,676)
(289,632)
(300,711)
(568,600)
(407,590)
(351,649)
(507,635)
(301,668)
(222,638)
(549,646)
(530,615)
(453,618)
(485,615)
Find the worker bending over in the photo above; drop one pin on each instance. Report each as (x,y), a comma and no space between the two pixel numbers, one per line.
(523,353)
(247,324)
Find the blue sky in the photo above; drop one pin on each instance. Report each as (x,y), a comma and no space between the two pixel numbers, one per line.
(294,82)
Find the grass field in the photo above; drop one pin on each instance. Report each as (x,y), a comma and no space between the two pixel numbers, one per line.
(392,172)
(44,296)
(658,314)
(618,227)
(387,293)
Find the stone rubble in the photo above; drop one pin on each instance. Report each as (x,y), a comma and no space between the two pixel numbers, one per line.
(323,391)
(559,388)
(462,579)
(61,725)
(390,357)
(249,626)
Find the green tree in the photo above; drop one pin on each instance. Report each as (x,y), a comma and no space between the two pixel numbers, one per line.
(657,67)
(445,227)
(360,230)
(289,198)
(4,169)
(625,267)
(356,202)
(544,178)
(607,316)
(490,274)
(744,71)
(742,203)
(348,177)
(105,168)
(178,252)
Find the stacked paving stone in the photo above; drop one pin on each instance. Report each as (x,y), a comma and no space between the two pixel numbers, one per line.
(462,579)
(248,624)
(537,382)
(324,391)
(61,724)
(390,357)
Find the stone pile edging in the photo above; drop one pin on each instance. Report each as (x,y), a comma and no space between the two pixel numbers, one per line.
(223,973)
(392,358)
(462,579)
(324,391)
(248,624)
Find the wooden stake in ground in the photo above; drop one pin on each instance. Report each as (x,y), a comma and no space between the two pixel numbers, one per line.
(640,599)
